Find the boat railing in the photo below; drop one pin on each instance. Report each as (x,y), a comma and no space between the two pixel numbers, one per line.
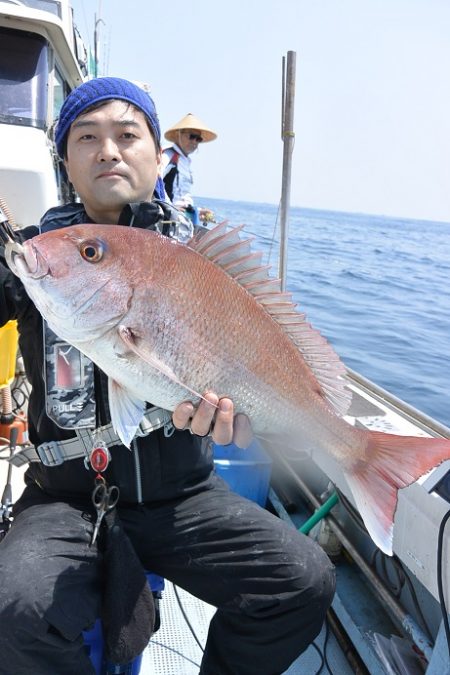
(418,418)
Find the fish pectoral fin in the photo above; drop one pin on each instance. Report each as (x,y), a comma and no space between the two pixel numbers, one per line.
(126,411)
(126,334)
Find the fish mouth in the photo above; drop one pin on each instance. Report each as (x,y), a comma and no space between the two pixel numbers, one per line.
(26,261)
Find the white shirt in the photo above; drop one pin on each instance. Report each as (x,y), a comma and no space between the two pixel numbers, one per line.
(182,185)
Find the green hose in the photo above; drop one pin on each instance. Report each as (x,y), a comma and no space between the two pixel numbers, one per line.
(320,513)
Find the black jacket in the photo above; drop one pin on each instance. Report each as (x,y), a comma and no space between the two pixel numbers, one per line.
(158,468)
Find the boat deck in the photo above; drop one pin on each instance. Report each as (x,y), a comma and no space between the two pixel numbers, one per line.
(173,650)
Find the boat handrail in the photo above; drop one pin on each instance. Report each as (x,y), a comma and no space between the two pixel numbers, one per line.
(424,421)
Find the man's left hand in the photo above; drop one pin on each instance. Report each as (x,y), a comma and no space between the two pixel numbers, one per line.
(217,414)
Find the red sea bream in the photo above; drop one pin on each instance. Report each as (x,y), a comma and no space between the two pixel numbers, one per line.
(168,321)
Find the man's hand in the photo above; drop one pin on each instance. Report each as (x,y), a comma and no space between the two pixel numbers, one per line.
(218,413)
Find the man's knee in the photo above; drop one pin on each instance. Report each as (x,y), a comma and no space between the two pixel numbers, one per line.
(18,617)
(317,585)
(325,584)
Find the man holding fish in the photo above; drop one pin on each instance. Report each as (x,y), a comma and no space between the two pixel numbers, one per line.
(271,585)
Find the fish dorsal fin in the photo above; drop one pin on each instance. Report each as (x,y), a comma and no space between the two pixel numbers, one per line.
(224,246)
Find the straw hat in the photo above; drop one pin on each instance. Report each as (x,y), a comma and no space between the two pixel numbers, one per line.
(189,121)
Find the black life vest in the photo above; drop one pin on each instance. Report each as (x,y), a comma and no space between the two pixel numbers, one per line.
(170,176)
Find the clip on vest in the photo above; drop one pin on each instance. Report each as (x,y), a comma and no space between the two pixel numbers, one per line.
(99,457)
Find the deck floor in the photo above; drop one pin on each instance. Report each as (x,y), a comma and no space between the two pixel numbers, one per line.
(174,651)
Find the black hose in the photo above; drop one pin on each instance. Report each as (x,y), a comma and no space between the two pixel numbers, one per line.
(439,578)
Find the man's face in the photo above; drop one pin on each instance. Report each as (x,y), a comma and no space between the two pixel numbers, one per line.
(188,140)
(112,159)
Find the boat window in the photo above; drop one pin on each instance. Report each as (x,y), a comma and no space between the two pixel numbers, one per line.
(60,92)
(80,51)
(53,6)
(23,78)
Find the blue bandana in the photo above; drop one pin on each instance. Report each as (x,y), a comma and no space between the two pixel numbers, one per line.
(104,89)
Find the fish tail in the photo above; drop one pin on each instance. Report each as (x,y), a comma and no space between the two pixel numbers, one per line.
(391,462)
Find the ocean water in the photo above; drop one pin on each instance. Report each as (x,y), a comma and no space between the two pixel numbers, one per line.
(378,288)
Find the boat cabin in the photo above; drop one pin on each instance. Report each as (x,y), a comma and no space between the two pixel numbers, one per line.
(42,58)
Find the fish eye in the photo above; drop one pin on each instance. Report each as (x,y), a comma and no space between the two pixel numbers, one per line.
(92,251)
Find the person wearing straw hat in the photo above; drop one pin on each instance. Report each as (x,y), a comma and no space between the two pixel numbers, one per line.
(185,137)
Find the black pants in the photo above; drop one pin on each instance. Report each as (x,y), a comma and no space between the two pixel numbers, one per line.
(271,585)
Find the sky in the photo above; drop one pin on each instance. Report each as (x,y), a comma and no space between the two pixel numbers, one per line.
(372,94)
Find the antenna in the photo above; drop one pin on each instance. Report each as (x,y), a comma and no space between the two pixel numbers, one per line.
(96,39)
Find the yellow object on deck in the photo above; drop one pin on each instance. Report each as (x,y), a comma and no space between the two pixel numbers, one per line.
(9,338)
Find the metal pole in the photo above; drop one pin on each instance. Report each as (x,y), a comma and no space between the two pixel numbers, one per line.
(95,46)
(287,136)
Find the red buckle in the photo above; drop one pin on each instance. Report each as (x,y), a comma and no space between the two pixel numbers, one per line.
(99,458)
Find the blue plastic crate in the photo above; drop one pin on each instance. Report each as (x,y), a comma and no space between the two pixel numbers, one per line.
(247,472)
